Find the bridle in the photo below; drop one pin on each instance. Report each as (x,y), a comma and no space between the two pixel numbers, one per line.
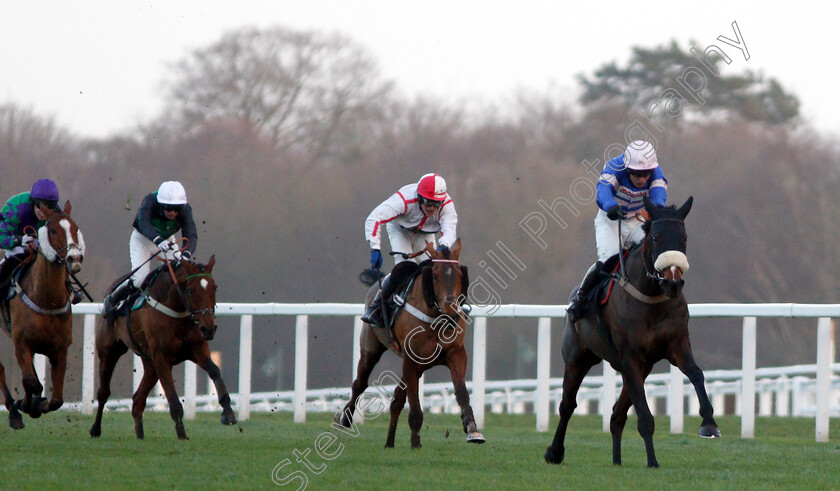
(437,301)
(185,299)
(650,271)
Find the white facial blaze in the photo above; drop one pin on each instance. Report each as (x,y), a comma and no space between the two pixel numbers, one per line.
(74,252)
(204,284)
(44,243)
(670,259)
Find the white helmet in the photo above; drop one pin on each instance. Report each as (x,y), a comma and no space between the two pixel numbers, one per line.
(172,193)
(640,155)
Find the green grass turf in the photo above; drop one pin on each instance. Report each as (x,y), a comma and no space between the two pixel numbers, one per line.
(56,452)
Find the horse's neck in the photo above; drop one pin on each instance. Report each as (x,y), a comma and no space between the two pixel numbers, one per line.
(417,298)
(45,281)
(163,290)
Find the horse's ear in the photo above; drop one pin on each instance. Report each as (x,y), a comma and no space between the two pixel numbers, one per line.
(685,208)
(67,207)
(456,249)
(211,263)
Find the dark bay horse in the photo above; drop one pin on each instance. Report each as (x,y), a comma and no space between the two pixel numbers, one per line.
(41,317)
(643,322)
(174,324)
(430,332)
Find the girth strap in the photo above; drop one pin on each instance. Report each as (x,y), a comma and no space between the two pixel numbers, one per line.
(411,309)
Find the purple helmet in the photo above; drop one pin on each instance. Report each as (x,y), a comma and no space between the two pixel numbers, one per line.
(44,189)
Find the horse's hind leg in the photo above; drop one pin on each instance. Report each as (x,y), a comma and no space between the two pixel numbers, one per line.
(684,360)
(202,359)
(367,362)
(397,404)
(15,418)
(138,400)
(457,361)
(108,357)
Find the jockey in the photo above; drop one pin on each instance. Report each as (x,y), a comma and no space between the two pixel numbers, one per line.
(625,182)
(161,215)
(24,210)
(412,216)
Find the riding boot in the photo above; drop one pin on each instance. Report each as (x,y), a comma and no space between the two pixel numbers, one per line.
(75,295)
(7,266)
(592,278)
(374,313)
(113,300)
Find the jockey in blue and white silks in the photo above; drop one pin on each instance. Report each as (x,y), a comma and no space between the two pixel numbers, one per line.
(624,183)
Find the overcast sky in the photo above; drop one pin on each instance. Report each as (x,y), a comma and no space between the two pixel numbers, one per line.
(96,65)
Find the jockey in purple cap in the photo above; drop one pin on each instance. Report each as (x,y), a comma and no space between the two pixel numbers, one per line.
(22,211)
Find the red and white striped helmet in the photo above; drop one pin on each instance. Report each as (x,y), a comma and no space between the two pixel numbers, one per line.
(432,186)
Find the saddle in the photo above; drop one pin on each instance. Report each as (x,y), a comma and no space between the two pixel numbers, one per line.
(403,276)
(137,297)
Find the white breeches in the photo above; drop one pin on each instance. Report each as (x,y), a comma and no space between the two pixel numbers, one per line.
(606,234)
(140,248)
(403,240)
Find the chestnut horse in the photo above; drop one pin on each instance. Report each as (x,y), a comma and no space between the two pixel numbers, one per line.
(430,331)
(174,324)
(645,320)
(41,317)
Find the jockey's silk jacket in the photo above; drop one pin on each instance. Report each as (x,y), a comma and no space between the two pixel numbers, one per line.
(402,209)
(616,188)
(15,217)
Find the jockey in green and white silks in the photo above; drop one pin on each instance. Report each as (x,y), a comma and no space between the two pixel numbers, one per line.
(624,183)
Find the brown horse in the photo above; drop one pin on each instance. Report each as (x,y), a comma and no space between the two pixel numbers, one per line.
(41,318)
(174,324)
(430,331)
(644,321)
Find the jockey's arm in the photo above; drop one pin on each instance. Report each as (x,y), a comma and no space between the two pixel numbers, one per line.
(389,209)
(448,224)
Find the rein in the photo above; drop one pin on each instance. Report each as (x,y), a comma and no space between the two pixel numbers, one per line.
(624,281)
(189,312)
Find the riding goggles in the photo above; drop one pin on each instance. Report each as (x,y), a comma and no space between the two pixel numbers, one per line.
(640,173)
(430,202)
(40,203)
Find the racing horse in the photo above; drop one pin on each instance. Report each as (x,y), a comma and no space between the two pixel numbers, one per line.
(173,324)
(41,316)
(644,320)
(429,331)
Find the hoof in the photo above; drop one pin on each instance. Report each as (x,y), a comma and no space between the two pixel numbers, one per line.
(228,418)
(16,423)
(95,431)
(710,431)
(475,437)
(553,456)
(36,411)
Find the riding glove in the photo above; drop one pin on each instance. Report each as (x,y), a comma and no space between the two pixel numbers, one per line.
(375,259)
(164,245)
(614,213)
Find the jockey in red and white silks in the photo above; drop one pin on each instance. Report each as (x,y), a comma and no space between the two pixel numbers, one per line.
(412,217)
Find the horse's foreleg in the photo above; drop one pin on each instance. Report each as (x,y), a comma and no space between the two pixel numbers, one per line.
(617,422)
(367,361)
(15,419)
(634,384)
(228,416)
(411,376)
(163,367)
(397,404)
(58,367)
(684,360)
(31,403)
(108,357)
(138,400)
(578,363)
(457,362)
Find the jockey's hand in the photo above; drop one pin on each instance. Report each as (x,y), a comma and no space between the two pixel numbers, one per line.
(164,245)
(28,239)
(375,259)
(614,213)
(176,254)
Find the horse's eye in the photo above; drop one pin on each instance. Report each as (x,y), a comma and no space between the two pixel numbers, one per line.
(52,231)
(655,237)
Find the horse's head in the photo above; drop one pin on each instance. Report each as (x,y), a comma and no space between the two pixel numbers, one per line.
(200,295)
(61,240)
(447,278)
(665,245)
